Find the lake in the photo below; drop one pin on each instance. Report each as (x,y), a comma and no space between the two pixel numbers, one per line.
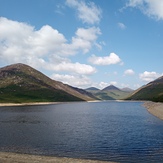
(111,131)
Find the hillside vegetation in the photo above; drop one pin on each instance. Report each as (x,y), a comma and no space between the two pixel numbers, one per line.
(22,83)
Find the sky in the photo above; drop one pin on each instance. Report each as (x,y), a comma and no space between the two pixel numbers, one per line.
(85,43)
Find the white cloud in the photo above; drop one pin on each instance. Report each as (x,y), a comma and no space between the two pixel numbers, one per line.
(107,60)
(88,12)
(129,72)
(89,34)
(76,81)
(149,76)
(21,42)
(121,25)
(113,83)
(72,67)
(152,8)
(102,85)
(44,48)
(85,38)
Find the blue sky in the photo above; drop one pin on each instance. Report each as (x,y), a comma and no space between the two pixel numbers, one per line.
(85,43)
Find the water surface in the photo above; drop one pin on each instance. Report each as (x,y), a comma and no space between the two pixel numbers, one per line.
(112,131)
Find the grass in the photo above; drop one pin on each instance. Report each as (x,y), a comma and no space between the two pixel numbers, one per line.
(16,94)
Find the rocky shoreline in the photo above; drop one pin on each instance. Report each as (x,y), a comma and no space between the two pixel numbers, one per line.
(155,108)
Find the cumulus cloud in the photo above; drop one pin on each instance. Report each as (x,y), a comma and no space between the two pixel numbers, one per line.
(113,83)
(152,8)
(46,47)
(102,85)
(149,76)
(74,80)
(85,38)
(107,60)
(121,25)
(88,12)
(72,67)
(129,72)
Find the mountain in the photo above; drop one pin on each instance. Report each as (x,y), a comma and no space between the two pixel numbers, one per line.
(92,89)
(84,92)
(153,91)
(110,88)
(22,83)
(109,93)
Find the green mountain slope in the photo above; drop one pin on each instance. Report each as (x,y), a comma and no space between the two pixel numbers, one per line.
(22,83)
(153,91)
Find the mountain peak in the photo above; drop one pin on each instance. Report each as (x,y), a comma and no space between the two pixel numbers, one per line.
(110,88)
(15,66)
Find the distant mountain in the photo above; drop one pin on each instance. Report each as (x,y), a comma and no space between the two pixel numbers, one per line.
(153,91)
(22,83)
(84,92)
(110,88)
(109,93)
(92,89)
(126,89)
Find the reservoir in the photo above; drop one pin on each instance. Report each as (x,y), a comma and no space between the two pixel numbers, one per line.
(110,131)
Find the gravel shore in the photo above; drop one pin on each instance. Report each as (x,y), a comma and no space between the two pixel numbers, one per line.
(32,103)
(155,108)
(6,157)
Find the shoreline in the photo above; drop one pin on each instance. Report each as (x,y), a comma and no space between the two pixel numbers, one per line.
(52,103)
(7,157)
(28,104)
(38,103)
(154,108)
